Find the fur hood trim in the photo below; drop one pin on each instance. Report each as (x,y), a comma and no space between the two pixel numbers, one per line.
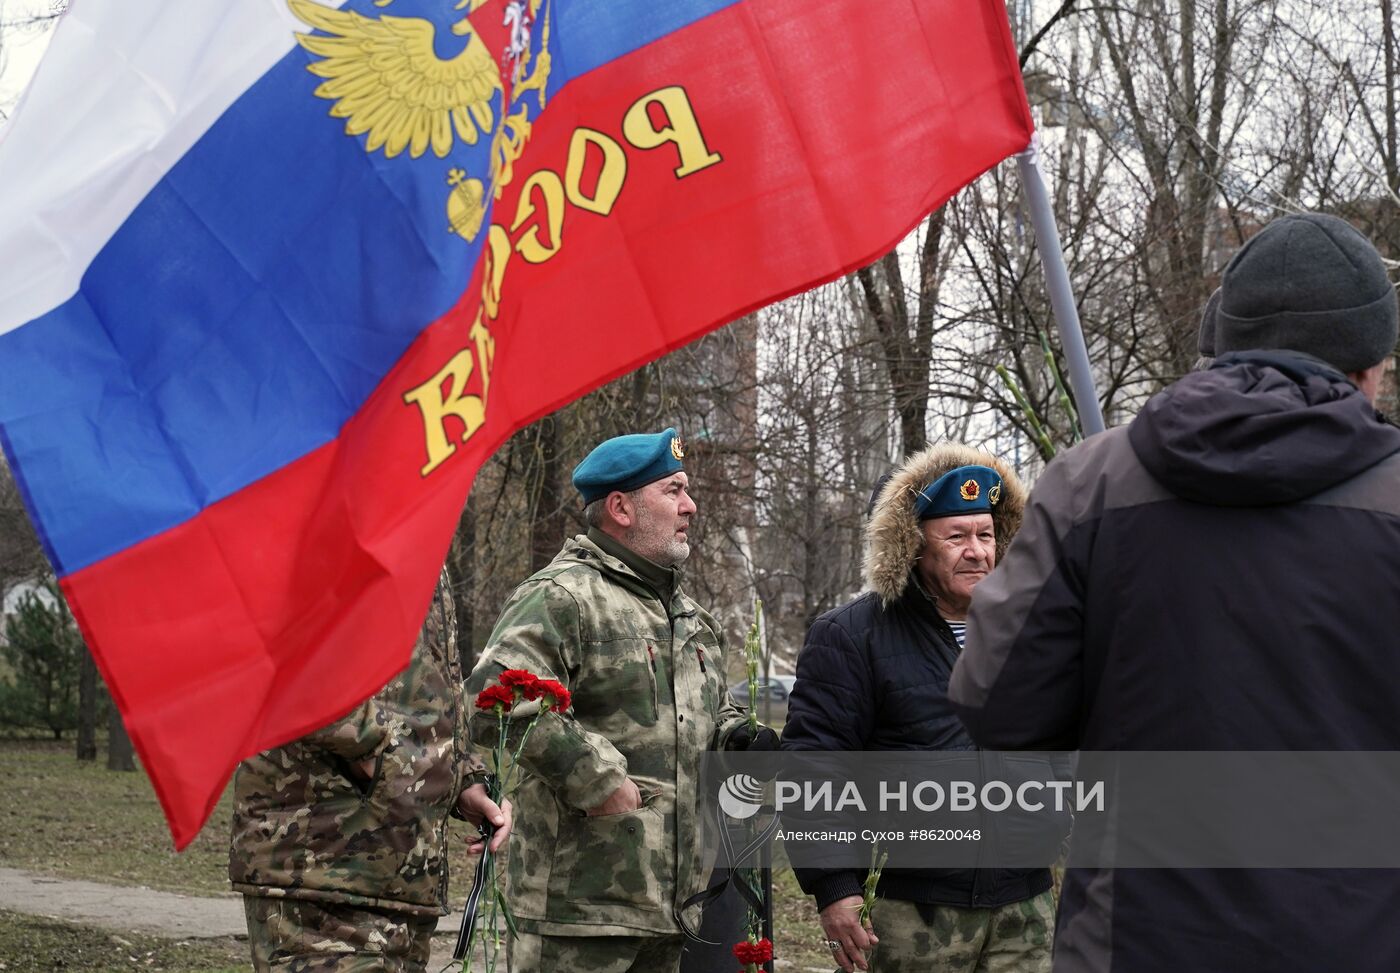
(893,538)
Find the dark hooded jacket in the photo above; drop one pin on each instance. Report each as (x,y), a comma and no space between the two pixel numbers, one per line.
(873,675)
(1222,574)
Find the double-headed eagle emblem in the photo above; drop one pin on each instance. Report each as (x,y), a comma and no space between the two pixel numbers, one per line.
(384,77)
(388,83)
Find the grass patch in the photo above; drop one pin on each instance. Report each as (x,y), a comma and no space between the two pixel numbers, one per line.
(35,944)
(797,935)
(80,820)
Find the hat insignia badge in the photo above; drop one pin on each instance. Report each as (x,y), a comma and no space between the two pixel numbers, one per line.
(677,448)
(970,490)
(994,494)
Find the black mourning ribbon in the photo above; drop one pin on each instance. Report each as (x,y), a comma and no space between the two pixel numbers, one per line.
(467,933)
(746,893)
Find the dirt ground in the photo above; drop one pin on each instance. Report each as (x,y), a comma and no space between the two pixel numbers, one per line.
(40,944)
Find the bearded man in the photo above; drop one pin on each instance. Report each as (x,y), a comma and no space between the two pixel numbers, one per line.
(606,846)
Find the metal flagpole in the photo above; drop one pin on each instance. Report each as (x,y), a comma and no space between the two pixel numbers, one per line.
(1052,258)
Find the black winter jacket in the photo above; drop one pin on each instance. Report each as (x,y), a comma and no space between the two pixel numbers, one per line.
(1222,574)
(873,678)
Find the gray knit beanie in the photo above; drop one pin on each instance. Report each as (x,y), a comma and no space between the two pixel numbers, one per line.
(1309,283)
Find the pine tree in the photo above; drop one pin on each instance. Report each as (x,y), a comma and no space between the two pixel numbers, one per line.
(45,654)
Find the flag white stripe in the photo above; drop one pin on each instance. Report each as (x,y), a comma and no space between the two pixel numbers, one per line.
(126,88)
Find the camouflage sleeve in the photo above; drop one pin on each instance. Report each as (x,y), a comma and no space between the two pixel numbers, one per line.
(539,631)
(359,734)
(474,771)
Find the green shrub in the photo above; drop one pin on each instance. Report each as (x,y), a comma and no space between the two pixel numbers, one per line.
(44,657)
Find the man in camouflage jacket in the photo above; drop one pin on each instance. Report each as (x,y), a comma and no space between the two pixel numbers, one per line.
(606,845)
(340,838)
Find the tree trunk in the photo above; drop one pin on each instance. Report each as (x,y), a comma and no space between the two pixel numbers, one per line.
(907,339)
(1390,152)
(462,570)
(87,708)
(119,755)
(548,526)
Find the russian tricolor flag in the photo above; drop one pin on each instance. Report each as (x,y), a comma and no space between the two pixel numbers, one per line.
(276,278)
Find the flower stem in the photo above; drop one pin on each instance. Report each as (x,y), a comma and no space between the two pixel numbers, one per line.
(753,651)
(515,757)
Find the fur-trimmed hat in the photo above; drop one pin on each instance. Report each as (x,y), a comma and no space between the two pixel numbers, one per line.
(894,537)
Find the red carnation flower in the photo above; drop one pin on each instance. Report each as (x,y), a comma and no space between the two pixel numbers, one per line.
(554,694)
(754,953)
(493,696)
(522,681)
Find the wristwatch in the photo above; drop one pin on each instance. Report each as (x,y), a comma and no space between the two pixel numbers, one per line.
(479,776)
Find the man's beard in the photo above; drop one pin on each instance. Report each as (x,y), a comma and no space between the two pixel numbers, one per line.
(654,544)
(675,553)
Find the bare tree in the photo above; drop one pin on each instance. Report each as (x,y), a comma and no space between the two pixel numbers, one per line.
(904,321)
(119,752)
(1172,130)
(87,707)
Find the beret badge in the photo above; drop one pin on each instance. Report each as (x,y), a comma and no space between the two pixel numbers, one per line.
(960,491)
(626,463)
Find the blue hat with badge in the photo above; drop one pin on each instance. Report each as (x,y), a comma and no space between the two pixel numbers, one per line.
(625,463)
(965,490)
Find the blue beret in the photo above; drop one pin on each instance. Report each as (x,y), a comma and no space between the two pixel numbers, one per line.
(965,490)
(627,462)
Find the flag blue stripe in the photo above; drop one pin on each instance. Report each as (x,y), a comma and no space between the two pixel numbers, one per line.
(253,301)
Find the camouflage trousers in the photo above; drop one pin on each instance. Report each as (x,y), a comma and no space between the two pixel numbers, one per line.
(1015,938)
(299,936)
(530,953)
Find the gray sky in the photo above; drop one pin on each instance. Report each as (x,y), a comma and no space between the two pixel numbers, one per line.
(22,44)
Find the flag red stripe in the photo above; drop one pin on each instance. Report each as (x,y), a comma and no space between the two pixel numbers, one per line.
(839,128)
